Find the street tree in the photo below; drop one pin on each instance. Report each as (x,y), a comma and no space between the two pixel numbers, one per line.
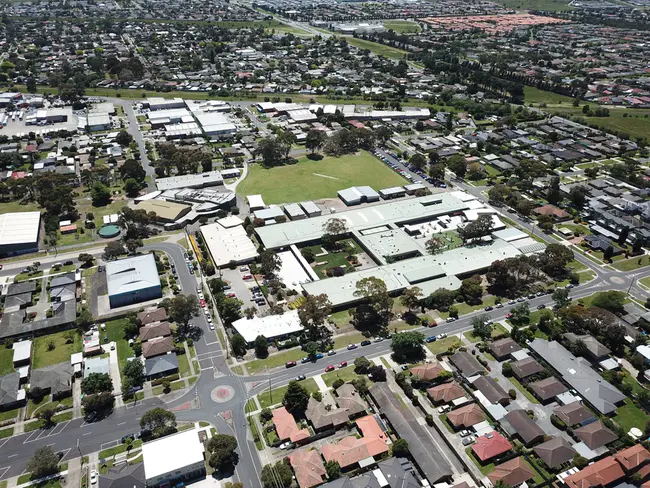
(434,245)
(132,245)
(408,346)
(261,347)
(418,160)
(98,403)
(361,364)
(96,383)
(86,259)
(481,328)
(113,250)
(238,345)
(134,370)
(45,462)
(520,313)
(441,299)
(311,348)
(274,473)
(411,297)
(312,314)
(296,398)
(223,452)
(471,290)
(561,297)
(457,165)
(158,421)
(269,263)
(46,415)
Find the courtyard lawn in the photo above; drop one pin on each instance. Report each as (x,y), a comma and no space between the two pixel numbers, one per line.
(115,332)
(334,259)
(6,360)
(630,415)
(313,180)
(346,374)
(443,345)
(633,263)
(64,344)
(275,396)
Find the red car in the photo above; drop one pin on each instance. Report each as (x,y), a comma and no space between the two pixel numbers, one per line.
(290,364)
(343,364)
(508,315)
(203,303)
(329,368)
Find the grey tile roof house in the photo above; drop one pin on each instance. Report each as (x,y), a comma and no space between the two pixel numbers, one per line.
(125,476)
(467,364)
(55,379)
(517,422)
(595,435)
(491,389)
(577,372)
(161,366)
(526,367)
(596,350)
(548,388)
(9,390)
(503,348)
(555,452)
(573,414)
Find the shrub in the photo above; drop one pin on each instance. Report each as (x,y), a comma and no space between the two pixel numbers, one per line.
(429,419)
(512,394)
(338,383)
(318,396)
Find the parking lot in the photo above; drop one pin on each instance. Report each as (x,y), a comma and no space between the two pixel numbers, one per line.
(243,289)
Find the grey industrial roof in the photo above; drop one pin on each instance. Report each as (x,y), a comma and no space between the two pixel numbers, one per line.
(356,193)
(131,274)
(294,210)
(210,178)
(19,228)
(161,364)
(578,373)
(424,451)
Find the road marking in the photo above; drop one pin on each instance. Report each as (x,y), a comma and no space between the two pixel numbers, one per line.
(204,369)
(53,444)
(87,433)
(106,445)
(4,471)
(13,455)
(121,423)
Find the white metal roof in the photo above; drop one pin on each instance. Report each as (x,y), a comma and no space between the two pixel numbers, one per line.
(131,274)
(19,227)
(269,326)
(255,201)
(228,244)
(171,453)
(22,350)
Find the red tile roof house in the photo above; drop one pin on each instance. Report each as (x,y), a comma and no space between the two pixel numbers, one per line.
(427,372)
(350,451)
(447,392)
(466,416)
(286,427)
(490,445)
(308,467)
(604,473)
(553,211)
(512,473)
(635,459)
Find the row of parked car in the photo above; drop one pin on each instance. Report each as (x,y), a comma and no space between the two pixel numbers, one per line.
(306,359)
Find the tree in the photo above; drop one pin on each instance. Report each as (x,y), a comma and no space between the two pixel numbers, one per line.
(555,260)
(553,195)
(132,245)
(131,187)
(113,250)
(622,236)
(580,462)
(181,309)
(408,346)
(96,383)
(312,314)
(458,165)
(545,222)
(472,290)
(441,299)
(377,373)
(335,226)
(610,300)
(311,348)
(333,469)
(100,194)
(223,452)
(411,297)
(123,138)
(261,347)
(315,140)
(361,385)
(418,160)
(578,195)
(158,421)
(376,309)
(520,313)
(361,364)
(134,370)
(434,245)
(271,474)
(98,403)
(238,345)
(44,463)
(400,448)
(46,415)
(84,319)
(481,328)
(86,259)
(270,262)
(561,297)
(296,398)
(476,229)
(608,253)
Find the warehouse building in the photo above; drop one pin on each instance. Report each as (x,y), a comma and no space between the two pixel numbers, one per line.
(174,459)
(159,103)
(166,212)
(358,194)
(228,243)
(132,280)
(201,180)
(19,233)
(215,123)
(311,209)
(294,211)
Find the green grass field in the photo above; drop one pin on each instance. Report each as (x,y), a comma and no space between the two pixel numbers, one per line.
(633,263)
(375,47)
(443,345)
(629,416)
(535,95)
(313,180)
(346,374)
(551,5)
(275,396)
(62,349)
(402,26)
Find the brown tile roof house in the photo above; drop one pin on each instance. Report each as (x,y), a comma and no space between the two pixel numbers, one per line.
(555,452)
(573,414)
(427,371)
(491,389)
(467,364)
(158,346)
(349,451)
(633,458)
(447,392)
(595,435)
(490,445)
(322,418)
(525,368)
(503,348)
(286,427)
(548,388)
(512,473)
(602,473)
(466,416)
(517,422)
(308,467)
(152,316)
(151,331)
(347,397)
(553,211)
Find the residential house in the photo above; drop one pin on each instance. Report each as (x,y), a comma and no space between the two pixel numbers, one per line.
(160,366)
(152,316)
(595,435)
(635,459)
(323,418)
(503,348)
(125,475)
(446,392)
(157,346)
(518,423)
(467,364)
(573,414)
(286,427)
(595,350)
(427,372)
(552,211)
(350,451)
(603,473)
(490,446)
(524,368)
(154,330)
(348,397)
(465,417)
(11,394)
(602,243)
(548,388)
(308,467)
(555,452)
(491,390)
(55,379)
(512,473)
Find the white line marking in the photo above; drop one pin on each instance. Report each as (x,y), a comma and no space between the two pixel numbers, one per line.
(13,455)
(87,433)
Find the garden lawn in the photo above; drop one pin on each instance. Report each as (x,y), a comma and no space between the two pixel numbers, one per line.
(62,349)
(275,360)
(276,395)
(497,330)
(345,340)
(183,365)
(485,469)
(6,360)
(443,345)
(313,180)
(629,415)
(346,374)
(334,259)
(115,332)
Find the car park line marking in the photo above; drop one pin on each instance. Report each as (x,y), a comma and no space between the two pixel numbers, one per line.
(106,445)
(29,437)
(65,452)
(2,443)
(4,470)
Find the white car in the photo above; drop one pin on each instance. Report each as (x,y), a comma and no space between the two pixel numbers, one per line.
(441,336)
(443,409)
(378,339)
(464,433)
(93,477)
(199,289)
(201,297)
(286,445)
(211,326)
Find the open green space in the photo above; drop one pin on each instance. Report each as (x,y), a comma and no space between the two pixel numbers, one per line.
(6,360)
(634,122)
(588,300)
(443,345)
(629,415)
(275,396)
(115,332)
(581,229)
(313,180)
(252,423)
(464,308)
(633,263)
(183,365)
(377,48)
(56,348)
(346,340)
(346,374)
(550,5)
(275,360)
(402,26)
(535,95)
